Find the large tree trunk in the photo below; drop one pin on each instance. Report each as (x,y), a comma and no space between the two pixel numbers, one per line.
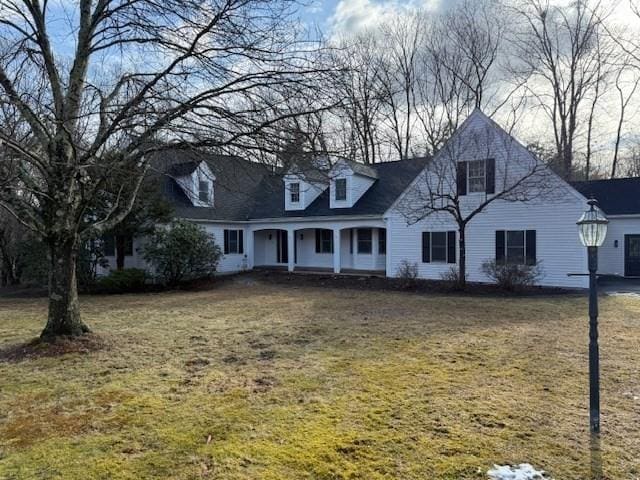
(64,307)
(462,264)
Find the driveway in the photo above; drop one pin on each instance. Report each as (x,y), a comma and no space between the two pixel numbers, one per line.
(620,286)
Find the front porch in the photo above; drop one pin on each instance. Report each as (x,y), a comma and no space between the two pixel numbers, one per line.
(351,250)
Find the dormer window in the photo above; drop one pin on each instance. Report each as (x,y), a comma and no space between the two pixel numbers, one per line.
(294,191)
(204,192)
(341,189)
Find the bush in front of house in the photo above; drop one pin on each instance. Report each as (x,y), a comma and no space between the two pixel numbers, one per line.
(181,252)
(123,281)
(451,278)
(407,274)
(510,276)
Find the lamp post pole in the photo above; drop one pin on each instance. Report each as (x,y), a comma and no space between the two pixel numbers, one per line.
(594,355)
(592,228)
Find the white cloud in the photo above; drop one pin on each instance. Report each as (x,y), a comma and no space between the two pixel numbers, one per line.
(351,16)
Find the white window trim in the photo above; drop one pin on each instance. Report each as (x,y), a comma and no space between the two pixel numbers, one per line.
(484,176)
(346,190)
(292,193)
(446,246)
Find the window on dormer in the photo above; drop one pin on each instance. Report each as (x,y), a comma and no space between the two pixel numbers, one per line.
(294,191)
(203,191)
(341,189)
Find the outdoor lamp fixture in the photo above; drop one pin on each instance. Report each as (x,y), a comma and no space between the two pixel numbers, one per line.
(593,230)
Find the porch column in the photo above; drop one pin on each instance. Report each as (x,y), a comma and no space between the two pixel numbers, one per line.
(249,247)
(374,247)
(336,251)
(291,246)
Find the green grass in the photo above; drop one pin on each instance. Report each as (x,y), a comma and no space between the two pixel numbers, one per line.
(254,381)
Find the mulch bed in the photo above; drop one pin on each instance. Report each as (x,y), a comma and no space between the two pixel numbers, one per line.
(376,283)
(38,348)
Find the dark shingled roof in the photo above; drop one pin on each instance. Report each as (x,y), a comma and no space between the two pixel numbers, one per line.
(618,196)
(246,190)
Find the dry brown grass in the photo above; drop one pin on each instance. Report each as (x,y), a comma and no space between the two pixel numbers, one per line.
(255,381)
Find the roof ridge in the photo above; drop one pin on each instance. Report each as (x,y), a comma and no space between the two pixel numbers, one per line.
(606,179)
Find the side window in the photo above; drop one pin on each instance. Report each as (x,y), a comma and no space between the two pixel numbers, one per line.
(294,191)
(324,240)
(439,247)
(233,241)
(364,240)
(109,245)
(203,191)
(341,188)
(476,176)
(516,247)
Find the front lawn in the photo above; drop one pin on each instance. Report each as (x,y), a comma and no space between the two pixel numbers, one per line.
(259,381)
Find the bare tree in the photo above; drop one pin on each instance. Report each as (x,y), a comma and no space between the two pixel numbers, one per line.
(557,52)
(398,74)
(626,84)
(478,167)
(457,65)
(143,75)
(357,86)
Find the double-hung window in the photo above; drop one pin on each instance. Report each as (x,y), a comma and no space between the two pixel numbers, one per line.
(516,247)
(364,240)
(341,188)
(477,176)
(203,191)
(439,247)
(233,242)
(294,191)
(324,240)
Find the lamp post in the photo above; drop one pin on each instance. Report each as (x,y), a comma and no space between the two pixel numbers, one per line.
(593,230)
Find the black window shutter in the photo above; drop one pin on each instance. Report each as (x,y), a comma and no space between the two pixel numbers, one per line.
(462,178)
(226,241)
(500,246)
(351,241)
(531,247)
(240,241)
(490,179)
(318,239)
(426,247)
(451,246)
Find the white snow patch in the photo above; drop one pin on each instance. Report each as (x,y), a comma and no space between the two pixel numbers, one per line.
(524,471)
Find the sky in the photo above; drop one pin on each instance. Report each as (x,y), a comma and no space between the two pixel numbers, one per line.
(337,16)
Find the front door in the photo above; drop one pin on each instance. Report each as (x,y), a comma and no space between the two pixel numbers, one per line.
(283,246)
(632,255)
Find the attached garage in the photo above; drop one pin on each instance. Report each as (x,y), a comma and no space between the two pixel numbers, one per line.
(619,198)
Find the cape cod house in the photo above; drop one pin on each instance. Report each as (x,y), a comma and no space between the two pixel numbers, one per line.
(371,218)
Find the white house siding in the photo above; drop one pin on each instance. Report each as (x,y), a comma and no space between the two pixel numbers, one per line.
(307,256)
(130,261)
(359,185)
(231,262)
(610,258)
(553,214)
(558,246)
